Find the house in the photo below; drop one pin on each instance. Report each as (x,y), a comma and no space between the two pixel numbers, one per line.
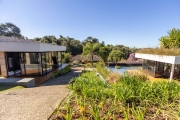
(81,58)
(163,66)
(28,58)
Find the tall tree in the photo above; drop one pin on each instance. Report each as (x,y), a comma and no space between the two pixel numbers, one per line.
(91,40)
(104,53)
(116,55)
(91,49)
(172,40)
(10,30)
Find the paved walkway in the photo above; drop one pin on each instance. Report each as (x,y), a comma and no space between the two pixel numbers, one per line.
(35,103)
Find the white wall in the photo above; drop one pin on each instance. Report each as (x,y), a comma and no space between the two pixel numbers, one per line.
(29,47)
(160,58)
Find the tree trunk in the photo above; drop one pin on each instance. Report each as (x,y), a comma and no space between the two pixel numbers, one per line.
(92,60)
(116,62)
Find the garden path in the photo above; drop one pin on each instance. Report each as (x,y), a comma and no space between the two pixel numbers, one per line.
(36,103)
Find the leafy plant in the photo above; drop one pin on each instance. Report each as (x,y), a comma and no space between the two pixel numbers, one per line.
(61,72)
(116,55)
(100,67)
(132,96)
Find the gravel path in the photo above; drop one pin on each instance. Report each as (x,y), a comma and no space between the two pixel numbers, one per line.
(35,103)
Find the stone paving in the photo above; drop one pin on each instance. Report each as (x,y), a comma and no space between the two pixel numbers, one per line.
(36,103)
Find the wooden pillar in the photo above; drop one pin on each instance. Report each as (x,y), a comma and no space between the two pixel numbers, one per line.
(155,68)
(40,63)
(61,58)
(172,72)
(143,63)
(3,64)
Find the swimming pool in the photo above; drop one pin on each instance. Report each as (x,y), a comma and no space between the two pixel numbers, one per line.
(123,68)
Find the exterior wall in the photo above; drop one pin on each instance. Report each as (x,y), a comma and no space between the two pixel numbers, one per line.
(40,79)
(3,64)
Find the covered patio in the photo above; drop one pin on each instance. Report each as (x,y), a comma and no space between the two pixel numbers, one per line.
(160,66)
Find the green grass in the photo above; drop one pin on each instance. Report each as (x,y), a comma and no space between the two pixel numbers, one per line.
(160,51)
(9,88)
(131,97)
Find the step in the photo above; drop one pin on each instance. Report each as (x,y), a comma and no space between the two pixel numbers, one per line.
(25,82)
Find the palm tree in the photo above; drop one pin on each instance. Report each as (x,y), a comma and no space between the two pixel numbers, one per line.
(91,49)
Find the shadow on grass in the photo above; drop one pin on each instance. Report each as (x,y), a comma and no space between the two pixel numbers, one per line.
(9,88)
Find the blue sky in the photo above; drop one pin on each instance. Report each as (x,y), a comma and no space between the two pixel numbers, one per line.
(138,23)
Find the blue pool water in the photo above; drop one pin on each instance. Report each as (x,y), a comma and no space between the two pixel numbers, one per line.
(124,68)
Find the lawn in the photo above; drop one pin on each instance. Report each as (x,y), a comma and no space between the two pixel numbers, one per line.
(124,97)
(9,88)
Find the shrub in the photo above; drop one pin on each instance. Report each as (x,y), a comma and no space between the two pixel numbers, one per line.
(66,58)
(117,67)
(100,67)
(61,72)
(88,65)
(160,51)
(130,97)
(113,77)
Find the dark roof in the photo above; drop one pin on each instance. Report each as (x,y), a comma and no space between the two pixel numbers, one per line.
(13,39)
(86,58)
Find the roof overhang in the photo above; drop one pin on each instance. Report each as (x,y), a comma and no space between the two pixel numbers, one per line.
(159,58)
(29,47)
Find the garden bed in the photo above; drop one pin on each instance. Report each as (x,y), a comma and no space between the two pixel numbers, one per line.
(130,97)
(61,72)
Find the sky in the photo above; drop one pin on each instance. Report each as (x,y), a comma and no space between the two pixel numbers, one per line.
(133,23)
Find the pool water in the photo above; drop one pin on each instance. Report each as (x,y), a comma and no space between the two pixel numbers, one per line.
(124,68)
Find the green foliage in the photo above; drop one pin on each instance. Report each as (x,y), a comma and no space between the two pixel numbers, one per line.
(66,57)
(61,72)
(91,40)
(91,49)
(72,46)
(88,65)
(75,46)
(131,97)
(100,67)
(160,51)
(104,53)
(172,40)
(117,67)
(116,55)
(10,30)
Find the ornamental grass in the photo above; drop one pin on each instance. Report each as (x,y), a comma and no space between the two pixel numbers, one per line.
(130,97)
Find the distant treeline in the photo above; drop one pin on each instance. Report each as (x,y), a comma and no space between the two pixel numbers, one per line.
(75,46)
